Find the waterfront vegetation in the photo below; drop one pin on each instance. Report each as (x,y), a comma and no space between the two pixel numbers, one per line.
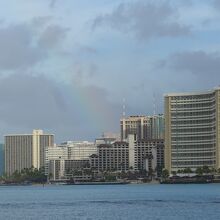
(203,174)
(27,175)
(33,175)
(112,175)
(198,171)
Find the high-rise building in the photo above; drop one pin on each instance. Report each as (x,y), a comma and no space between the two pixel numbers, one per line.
(26,150)
(192,130)
(144,127)
(2,159)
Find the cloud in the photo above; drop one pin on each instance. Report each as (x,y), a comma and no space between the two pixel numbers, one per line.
(81,72)
(87,50)
(52,36)
(25,45)
(199,63)
(35,101)
(216,4)
(144,19)
(41,21)
(17,49)
(53,3)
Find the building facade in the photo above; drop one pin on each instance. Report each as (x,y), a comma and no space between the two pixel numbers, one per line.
(111,157)
(54,153)
(147,155)
(26,150)
(144,127)
(192,130)
(68,156)
(133,155)
(80,150)
(66,169)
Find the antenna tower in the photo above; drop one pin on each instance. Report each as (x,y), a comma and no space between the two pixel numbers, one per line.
(154,105)
(124,108)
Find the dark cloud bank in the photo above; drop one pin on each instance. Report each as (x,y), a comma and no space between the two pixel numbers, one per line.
(145,19)
(32,100)
(198,63)
(25,45)
(29,102)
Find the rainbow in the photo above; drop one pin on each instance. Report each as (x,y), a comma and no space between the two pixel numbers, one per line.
(91,107)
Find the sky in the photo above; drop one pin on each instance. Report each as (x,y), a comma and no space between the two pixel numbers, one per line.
(67,65)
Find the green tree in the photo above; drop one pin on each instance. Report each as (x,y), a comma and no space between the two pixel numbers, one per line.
(206,169)
(174,173)
(187,170)
(199,171)
(165,173)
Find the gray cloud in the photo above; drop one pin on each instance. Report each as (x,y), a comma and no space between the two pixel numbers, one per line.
(53,3)
(25,45)
(17,49)
(80,72)
(29,102)
(52,36)
(41,21)
(145,19)
(199,63)
(87,50)
(216,4)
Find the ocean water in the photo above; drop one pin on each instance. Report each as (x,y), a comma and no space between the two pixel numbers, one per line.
(111,202)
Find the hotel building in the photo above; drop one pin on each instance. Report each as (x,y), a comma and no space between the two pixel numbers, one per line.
(111,157)
(64,169)
(133,155)
(80,150)
(144,127)
(54,153)
(146,154)
(192,130)
(26,150)
(68,156)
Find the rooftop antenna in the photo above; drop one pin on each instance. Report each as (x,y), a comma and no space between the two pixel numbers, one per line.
(154,105)
(124,108)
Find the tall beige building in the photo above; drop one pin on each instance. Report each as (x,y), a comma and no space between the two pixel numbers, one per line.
(26,150)
(192,130)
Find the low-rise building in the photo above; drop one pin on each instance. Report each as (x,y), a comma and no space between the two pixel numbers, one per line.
(66,169)
(62,160)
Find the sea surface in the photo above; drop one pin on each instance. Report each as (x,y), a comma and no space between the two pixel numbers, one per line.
(141,201)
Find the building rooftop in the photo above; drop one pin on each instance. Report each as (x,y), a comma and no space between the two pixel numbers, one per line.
(192,93)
